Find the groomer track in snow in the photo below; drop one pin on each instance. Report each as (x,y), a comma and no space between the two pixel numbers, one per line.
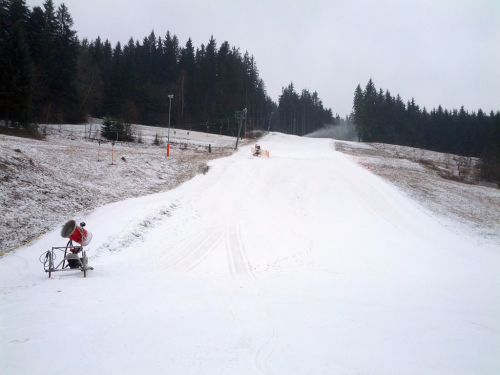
(304,262)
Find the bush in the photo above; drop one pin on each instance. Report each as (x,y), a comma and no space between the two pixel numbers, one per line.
(157,141)
(113,129)
(489,166)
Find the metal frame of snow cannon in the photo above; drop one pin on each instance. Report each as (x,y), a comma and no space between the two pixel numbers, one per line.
(71,260)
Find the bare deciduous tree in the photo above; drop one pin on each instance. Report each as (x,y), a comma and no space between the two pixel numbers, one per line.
(463,162)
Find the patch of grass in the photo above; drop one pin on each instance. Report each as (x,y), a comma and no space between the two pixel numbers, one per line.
(19,132)
(453,177)
(429,164)
(446,174)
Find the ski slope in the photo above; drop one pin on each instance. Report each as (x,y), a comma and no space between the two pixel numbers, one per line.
(303,263)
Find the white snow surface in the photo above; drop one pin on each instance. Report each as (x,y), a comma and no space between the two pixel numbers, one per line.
(301,263)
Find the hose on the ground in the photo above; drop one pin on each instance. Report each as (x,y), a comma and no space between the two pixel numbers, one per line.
(44,258)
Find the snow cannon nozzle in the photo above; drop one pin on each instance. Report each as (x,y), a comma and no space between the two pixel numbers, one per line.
(76,233)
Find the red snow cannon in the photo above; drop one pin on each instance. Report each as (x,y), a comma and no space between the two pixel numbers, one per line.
(76,233)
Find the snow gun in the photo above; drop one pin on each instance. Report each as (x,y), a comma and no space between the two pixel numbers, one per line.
(257,151)
(74,255)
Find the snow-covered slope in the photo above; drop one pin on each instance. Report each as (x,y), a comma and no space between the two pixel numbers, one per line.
(45,182)
(301,263)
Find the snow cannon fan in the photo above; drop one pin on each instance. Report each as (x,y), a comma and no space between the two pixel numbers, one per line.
(76,233)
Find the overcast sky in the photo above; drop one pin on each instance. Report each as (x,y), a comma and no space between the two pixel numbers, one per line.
(438,51)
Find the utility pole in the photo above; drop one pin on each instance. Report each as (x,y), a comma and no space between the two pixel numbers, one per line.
(248,71)
(182,102)
(240,115)
(246,103)
(168,134)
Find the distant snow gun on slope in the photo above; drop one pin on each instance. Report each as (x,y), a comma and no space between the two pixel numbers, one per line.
(74,255)
(258,151)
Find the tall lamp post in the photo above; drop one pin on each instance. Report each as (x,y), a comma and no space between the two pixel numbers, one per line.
(240,115)
(169,106)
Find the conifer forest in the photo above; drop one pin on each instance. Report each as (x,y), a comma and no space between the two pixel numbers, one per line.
(381,117)
(49,75)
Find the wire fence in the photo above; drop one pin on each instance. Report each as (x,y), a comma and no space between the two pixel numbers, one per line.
(145,135)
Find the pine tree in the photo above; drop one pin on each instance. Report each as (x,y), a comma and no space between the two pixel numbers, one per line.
(66,53)
(16,78)
(171,55)
(358,113)
(490,157)
(47,74)
(187,66)
(4,16)
(16,69)
(116,130)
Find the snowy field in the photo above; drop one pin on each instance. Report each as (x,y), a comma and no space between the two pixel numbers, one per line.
(464,204)
(302,263)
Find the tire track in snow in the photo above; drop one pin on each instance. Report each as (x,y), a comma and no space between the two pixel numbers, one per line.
(185,249)
(203,252)
(238,261)
(233,346)
(267,349)
(192,253)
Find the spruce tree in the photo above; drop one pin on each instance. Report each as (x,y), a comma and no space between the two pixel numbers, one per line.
(358,113)
(16,78)
(65,81)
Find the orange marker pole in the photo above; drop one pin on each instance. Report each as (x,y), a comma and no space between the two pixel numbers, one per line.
(168,149)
